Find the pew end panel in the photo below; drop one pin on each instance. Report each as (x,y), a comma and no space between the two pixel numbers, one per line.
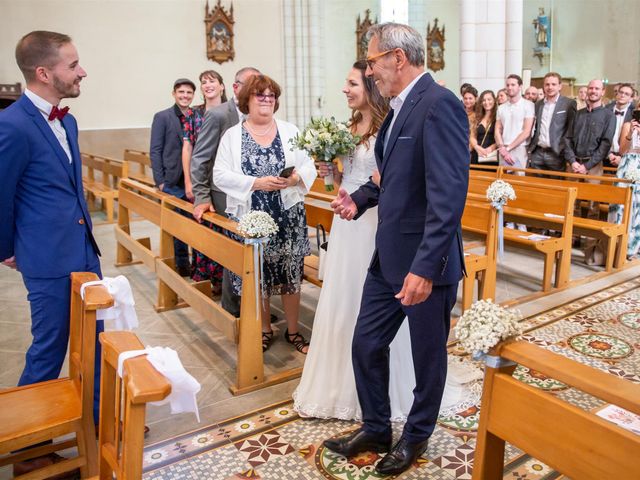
(138,166)
(522,415)
(123,406)
(72,396)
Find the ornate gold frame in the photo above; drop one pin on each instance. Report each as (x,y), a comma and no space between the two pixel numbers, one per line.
(219,33)
(361,34)
(435,47)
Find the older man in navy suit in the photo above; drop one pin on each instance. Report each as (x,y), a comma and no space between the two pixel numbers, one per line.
(45,227)
(422,155)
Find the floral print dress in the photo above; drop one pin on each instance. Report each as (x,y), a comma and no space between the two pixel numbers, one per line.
(202,267)
(284,254)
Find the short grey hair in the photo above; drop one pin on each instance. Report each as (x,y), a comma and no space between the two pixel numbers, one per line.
(397,35)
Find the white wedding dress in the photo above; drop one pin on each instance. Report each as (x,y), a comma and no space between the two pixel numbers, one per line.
(327,388)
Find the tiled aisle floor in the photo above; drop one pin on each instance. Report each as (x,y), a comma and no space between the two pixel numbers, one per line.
(210,357)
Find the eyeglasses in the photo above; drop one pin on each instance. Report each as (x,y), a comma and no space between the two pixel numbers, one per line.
(370,60)
(270,97)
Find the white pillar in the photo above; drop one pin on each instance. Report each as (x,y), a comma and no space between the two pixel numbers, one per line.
(490,42)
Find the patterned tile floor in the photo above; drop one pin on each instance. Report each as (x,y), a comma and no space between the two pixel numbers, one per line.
(601,330)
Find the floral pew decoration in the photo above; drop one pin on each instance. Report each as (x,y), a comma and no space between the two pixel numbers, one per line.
(484,325)
(257,227)
(325,139)
(499,193)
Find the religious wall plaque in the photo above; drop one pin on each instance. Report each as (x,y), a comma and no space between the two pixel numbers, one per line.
(219,33)
(361,35)
(435,47)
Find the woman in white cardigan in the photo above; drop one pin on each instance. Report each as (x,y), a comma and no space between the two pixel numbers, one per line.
(249,168)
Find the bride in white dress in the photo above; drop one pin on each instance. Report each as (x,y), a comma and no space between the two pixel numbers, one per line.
(327,388)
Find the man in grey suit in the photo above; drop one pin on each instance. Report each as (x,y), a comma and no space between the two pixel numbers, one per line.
(166,156)
(554,116)
(207,197)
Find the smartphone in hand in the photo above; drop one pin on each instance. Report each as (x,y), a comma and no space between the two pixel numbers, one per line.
(286,173)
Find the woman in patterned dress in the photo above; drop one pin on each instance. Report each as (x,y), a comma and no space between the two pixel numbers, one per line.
(630,151)
(212,88)
(250,158)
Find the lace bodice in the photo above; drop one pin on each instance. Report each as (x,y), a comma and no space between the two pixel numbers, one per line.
(358,166)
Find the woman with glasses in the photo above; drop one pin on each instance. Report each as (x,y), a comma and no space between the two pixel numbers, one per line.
(250,160)
(327,388)
(212,89)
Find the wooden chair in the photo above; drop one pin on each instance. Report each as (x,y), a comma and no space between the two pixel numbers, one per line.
(123,404)
(44,411)
(574,442)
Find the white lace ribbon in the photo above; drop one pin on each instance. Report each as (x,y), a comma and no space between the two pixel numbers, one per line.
(499,206)
(123,312)
(258,257)
(184,387)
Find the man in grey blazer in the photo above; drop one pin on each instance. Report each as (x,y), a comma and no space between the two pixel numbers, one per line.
(166,156)
(554,116)
(207,197)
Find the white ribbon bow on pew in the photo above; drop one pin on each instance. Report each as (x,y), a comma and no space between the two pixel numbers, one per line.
(183,386)
(123,312)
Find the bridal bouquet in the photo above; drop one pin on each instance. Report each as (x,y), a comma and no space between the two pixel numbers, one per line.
(256,224)
(324,139)
(484,325)
(499,192)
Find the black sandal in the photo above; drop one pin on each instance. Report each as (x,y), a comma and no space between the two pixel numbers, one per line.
(267,338)
(296,340)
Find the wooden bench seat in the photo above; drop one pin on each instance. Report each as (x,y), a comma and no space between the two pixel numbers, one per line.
(105,188)
(574,442)
(537,202)
(138,166)
(318,212)
(613,235)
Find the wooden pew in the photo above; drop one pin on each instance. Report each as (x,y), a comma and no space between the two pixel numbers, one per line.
(44,411)
(145,201)
(538,203)
(106,187)
(318,212)
(572,441)
(123,405)
(607,192)
(480,219)
(237,257)
(139,166)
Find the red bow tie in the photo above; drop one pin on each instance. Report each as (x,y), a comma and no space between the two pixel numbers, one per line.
(58,113)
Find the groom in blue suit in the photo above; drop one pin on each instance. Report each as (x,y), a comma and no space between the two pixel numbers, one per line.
(45,227)
(423,159)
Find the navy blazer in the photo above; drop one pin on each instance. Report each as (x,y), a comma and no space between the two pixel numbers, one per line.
(44,220)
(423,188)
(166,148)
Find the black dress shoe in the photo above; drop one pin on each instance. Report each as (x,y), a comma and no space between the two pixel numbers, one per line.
(358,442)
(402,456)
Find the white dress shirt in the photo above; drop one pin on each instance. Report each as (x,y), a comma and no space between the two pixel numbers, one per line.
(544,139)
(55,124)
(615,142)
(396,104)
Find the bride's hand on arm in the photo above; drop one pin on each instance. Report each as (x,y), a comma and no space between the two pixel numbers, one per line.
(375,177)
(270,184)
(344,206)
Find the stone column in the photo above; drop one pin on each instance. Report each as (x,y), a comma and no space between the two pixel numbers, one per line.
(490,42)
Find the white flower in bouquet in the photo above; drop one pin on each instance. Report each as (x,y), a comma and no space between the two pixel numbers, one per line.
(633,175)
(485,324)
(256,224)
(324,139)
(499,192)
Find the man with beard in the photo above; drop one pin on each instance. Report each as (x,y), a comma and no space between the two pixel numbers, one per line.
(588,142)
(46,227)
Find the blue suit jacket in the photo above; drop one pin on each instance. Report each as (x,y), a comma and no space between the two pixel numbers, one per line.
(44,220)
(424,175)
